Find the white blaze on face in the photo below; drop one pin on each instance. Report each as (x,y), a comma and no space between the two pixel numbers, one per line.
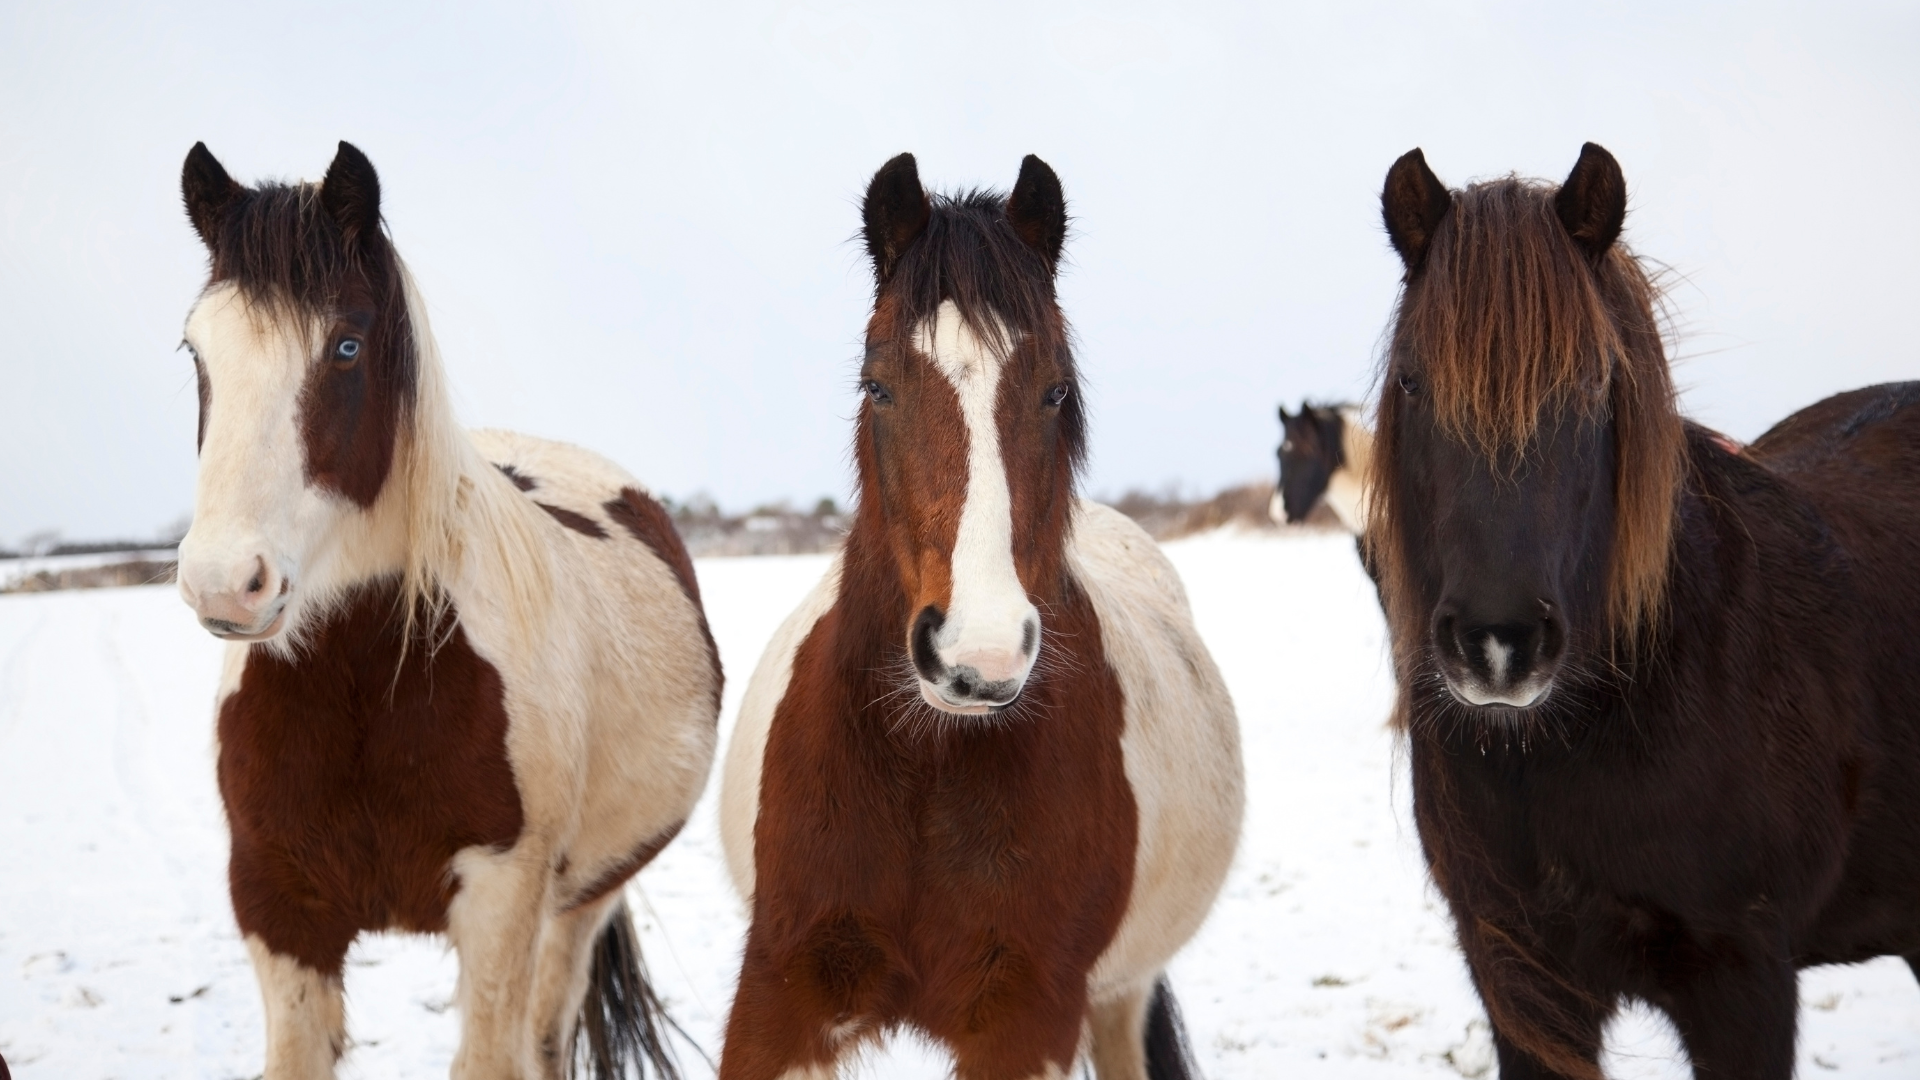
(991,630)
(255,520)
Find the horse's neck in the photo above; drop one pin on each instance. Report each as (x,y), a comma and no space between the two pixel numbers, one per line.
(1347,486)
(1346,496)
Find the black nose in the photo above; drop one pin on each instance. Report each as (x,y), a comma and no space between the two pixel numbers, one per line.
(1501,650)
(926,658)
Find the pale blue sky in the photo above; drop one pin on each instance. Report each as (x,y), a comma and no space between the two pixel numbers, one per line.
(631,222)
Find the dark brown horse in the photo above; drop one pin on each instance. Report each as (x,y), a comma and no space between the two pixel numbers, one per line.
(1663,697)
(986,780)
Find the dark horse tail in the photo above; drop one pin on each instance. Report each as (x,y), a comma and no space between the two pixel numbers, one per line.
(1168,1055)
(622,1023)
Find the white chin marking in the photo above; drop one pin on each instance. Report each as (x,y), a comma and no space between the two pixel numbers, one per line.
(272,630)
(933,698)
(988,613)
(1523,696)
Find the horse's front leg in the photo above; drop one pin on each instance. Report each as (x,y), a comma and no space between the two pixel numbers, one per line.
(494,924)
(305,1013)
(1737,1017)
(793,1020)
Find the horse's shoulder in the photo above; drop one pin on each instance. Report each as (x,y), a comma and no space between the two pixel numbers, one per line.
(1146,624)
(746,745)
(1110,549)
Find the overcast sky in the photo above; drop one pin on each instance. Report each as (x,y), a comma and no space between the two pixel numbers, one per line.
(632,222)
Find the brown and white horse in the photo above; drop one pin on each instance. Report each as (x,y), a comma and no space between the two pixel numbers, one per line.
(471,689)
(986,780)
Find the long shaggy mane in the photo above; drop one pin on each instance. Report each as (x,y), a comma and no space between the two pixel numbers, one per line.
(1508,321)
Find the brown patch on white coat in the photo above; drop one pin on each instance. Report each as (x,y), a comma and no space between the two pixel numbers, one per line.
(986,780)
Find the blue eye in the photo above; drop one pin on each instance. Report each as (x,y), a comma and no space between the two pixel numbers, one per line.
(1057,395)
(877,392)
(348,349)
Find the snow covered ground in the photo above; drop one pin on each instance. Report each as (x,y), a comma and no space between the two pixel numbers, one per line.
(15,570)
(1327,955)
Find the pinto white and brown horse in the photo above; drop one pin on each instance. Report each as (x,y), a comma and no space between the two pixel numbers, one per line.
(1325,453)
(471,689)
(986,780)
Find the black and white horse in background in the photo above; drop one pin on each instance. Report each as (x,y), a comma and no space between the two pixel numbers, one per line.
(1325,452)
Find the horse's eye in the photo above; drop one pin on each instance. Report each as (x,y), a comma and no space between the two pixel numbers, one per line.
(1057,395)
(346,353)
(1410,383)
(877,392)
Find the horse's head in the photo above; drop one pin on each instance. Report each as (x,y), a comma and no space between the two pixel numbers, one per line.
(1311,449)
(306,364)
(1528,448)
(971,428)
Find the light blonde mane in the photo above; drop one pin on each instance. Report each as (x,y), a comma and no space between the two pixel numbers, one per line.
(461,521)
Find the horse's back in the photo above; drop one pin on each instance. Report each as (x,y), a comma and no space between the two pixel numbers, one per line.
(1181,741)
(1873,428)
(1856,458)
(590,495)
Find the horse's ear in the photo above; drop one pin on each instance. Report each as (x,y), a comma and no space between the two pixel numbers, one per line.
(1037,209)
(1413,204)
(208,191)
(351,193)
(1592,204)
(1283,415)
(894,213)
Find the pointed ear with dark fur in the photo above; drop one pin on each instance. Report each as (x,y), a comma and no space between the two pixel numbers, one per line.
(1037,209)
(1283,416)
(1592,204)
(1413,204)
(893,213)
(208,191)
(351,193)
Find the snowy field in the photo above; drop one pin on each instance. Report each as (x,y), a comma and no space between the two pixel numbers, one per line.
(1327,955)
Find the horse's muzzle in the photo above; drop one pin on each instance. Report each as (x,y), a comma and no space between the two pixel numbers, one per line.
(1508,663)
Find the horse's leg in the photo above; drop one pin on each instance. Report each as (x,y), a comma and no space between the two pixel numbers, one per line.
(494,924)
(775,1032)
(1118,1026)
(1571,1045)
(1738,1020)
(1032,1034)
(306,1015)
(560,979)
